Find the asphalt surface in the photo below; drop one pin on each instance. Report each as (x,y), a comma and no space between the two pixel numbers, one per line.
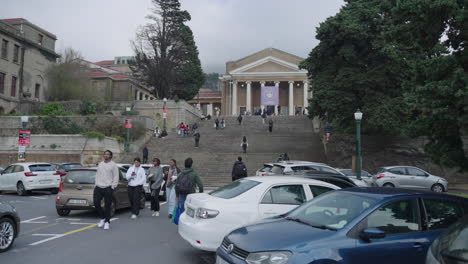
(46,237)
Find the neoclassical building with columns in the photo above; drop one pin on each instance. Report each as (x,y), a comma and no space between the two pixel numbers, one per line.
(269,80)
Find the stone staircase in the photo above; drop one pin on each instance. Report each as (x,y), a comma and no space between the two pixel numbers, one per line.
(219,149)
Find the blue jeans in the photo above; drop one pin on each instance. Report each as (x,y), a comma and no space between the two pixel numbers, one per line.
(181,202)
(171,199)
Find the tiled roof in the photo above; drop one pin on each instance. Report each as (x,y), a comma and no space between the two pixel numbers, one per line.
(104,62)
(14,20)
(208,93)
(103,74)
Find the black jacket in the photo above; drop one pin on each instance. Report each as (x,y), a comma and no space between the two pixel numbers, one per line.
(239,170)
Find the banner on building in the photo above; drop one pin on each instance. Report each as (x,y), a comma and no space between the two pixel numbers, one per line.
(270,95)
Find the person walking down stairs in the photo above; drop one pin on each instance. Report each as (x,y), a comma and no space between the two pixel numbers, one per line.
(239,118)
(270,125)
(197,138)
(244,144)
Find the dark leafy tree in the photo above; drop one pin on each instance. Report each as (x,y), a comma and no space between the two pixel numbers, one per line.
(166,56)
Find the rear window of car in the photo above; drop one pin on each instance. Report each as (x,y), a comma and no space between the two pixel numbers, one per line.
(41,167)
(81,177)
(277,169)
(68,167)
(267,168)
(234,189)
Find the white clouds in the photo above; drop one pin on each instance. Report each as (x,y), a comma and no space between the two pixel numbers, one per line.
(224,29)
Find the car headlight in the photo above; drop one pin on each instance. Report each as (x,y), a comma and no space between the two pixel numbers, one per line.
(274,257)
(206,213)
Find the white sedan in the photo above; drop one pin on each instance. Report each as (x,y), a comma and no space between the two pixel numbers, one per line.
(24,177)
(210,217)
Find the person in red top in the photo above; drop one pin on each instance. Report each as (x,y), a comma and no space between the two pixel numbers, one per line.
(181,128)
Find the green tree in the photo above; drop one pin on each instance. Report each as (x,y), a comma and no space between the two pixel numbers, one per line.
(166,56)
(69,78)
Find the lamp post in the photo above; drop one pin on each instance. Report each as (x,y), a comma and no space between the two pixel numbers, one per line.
(358,117)
(128,125)
(164,114)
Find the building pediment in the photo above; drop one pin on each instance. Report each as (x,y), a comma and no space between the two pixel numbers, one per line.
(268,64)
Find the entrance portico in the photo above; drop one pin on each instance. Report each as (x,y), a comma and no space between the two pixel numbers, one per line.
(268,74)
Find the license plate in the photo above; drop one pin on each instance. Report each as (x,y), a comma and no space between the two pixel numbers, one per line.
(45,181)
(77,202)
(190,212)
(220,260)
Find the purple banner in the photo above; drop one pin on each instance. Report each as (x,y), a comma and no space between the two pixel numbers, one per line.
(270,95)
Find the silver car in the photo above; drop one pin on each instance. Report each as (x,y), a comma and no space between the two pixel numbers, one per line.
(409,177)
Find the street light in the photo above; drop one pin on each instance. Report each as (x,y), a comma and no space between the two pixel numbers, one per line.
(128,125)
(164,115)
(358,117)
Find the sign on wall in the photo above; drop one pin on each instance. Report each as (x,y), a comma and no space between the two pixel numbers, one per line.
(24,138)
(270,95)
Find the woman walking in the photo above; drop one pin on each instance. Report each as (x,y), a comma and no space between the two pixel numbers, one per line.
(136,177)
(244,144)
(170,186)
(270,125)
(155,179)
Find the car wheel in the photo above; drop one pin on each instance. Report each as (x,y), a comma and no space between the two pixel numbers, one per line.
(63,212)
(437,188)
(20,190)
(389,185)
(7,234)
(54,191)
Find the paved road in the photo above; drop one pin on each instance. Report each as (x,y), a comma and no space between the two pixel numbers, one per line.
(46,237)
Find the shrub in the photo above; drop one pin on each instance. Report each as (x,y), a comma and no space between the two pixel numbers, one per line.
(88,108)
(93,134)
(120,139)
(53,146)
(54,125)
(53,110)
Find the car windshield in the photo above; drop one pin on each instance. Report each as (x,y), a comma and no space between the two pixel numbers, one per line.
(332,210)
(267,168)
(68,167)
(41,167)
(81,177)
(277,170)
(234,189)
(457,241)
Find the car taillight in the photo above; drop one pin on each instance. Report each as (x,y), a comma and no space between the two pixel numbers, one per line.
(61,173)
(57,199)
(380,176)
(61,186)
(263,174)
(29,174)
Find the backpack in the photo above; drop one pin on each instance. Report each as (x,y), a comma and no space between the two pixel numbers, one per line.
(184,184)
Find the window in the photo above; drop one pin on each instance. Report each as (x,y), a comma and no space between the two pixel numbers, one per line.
(277,170)
(16,54)
(318,190)
(37,91)
(81,177)
(18,168)
(396,217)
(234,189)
(285,194)
(8,170)
(41,167)
(5,49)
(442,213)
(2,83)
(13,86)
(40,39)
(398,171)
(416,172)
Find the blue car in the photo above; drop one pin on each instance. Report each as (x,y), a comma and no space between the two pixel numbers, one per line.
(354,225)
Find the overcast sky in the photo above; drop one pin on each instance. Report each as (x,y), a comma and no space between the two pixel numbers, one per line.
(224,29)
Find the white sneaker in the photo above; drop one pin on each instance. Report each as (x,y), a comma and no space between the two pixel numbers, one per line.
(156,213)
(101,223)
(106,226)
(134,216)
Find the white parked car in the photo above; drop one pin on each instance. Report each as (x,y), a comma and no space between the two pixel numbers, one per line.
(27,176)
(210,217)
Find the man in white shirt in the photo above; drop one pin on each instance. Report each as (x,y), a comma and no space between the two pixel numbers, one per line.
(107,179)
(136,177)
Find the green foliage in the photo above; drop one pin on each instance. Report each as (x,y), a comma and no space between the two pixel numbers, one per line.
(88,108)
(403,63)
(212,81)
(53,110)
(166,56)
(93,134)
(110,127)
(60,125)
(120,139)
(53,146)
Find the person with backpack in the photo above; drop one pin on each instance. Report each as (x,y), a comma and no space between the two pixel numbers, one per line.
(239,118)
(185,185)
(239,170)
(197,138)
(155,179)
(244,144)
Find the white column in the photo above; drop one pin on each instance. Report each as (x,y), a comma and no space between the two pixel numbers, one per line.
(262,84)
(234,98)
(291,98)
(277,83)
(249,97)
(306,97)
(137,96)
(209,109)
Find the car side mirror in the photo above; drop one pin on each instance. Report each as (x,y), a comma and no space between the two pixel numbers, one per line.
(372,233)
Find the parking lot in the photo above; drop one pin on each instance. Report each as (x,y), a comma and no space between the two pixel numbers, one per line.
(46,237)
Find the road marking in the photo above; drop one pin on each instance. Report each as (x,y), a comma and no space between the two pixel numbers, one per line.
(31,221)
(36,229)
(86,227)
(81,223)
(45,240)
(39,198)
